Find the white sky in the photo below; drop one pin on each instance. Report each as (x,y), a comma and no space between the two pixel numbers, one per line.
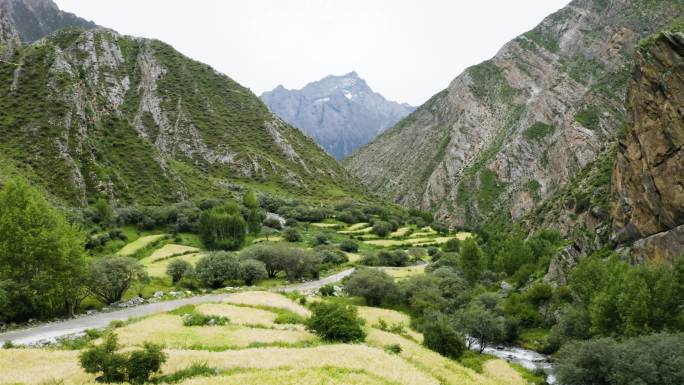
(407,50)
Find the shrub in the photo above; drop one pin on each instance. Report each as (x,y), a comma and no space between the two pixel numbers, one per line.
(375,286)
(216,268)
(327,290)
(336,322)
(452,245)
(292,235)
(199,319)
(288,317)
(330,255)
(432,251)
(381,228)
(393,349)
(440,336)
(135,367)
(177,269)
(321,239)
(278,257)
(253,271)
(273,223)
(349,246)
(396,258)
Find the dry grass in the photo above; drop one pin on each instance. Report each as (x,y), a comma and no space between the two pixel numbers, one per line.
(314,376)
(276,238)
(373,315)
(248,316)
(156,265)
(404,272)
(354,257)
(499,370)
(354,357)
(264,298)
(139,244)
(167,251)
(324,225)
(400,232)
(364,230)
(357,226)
(168,330)
(384,242)
(443,369)
(37,366)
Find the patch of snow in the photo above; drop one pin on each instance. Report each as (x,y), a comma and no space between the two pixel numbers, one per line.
(321,100)
(348,95)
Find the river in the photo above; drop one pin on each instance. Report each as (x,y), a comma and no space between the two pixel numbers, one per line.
(529,359)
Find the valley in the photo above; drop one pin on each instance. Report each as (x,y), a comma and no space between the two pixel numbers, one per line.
(161,224)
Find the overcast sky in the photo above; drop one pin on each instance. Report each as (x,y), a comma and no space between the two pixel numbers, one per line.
(407,50)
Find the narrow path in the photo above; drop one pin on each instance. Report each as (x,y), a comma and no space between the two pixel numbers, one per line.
(101,320)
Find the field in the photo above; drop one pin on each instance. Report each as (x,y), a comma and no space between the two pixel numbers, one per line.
(251,349)
(139,244)
(159,260)
(404,272)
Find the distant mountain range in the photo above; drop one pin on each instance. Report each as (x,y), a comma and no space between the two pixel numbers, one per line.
(34,19)
(341,113)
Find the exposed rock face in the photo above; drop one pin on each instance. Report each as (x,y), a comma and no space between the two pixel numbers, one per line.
(34,19)
(92,113)
(510,132)
(648,179)
(9,39)
(341,113)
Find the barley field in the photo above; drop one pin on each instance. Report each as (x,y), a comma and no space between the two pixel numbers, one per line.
(264,298)
(138,244)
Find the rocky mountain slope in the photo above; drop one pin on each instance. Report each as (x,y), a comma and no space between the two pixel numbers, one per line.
(341,113)
(34,19)
(520,128)
(648,178)
(87,114)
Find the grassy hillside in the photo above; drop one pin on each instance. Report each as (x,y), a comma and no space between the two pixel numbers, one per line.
(88,114)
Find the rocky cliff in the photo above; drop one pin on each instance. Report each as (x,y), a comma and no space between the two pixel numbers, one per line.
(341,113)
(86,114)
(648,179)
(518,129)
(9,39)
(34,19)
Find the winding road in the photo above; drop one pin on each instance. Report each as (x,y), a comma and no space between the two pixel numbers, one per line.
(58,329)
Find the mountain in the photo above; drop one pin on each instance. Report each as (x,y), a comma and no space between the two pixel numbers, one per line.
(533,126)
(341,113)
(91,113)
(34,19)
(648,178)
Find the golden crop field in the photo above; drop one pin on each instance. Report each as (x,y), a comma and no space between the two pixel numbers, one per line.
(373,315)
(168,250)
(138,244)
(168,329)
(264,298)
(312,376)
(244,315)
(158,268)
(357,226)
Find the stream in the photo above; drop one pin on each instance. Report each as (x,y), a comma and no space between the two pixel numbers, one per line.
(529,359)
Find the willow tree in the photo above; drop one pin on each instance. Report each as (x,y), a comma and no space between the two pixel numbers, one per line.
(223,227)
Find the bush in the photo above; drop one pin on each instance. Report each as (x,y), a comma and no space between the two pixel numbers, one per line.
(253,271)
(396,258)
(330,255)
(273,223)
(349,246)
(452,245)
(382,228)
(375,286)
(440,336)
(432,251)
(199,319)
(277,257)
(327,290)
(177,269)
(292,235)
(215,269)
(336,322)
(135,367)
(393,349)
(321,239)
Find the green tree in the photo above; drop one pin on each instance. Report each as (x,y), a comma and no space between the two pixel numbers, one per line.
(110,277)
(336,322)
(440,336)
(255,215)
(223,227)
(253,271)
(41,255)
(104,212)
(374,285)
(217,268)
(471,261)
(381,228)
(481,325)
(177,269)
(292,235)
